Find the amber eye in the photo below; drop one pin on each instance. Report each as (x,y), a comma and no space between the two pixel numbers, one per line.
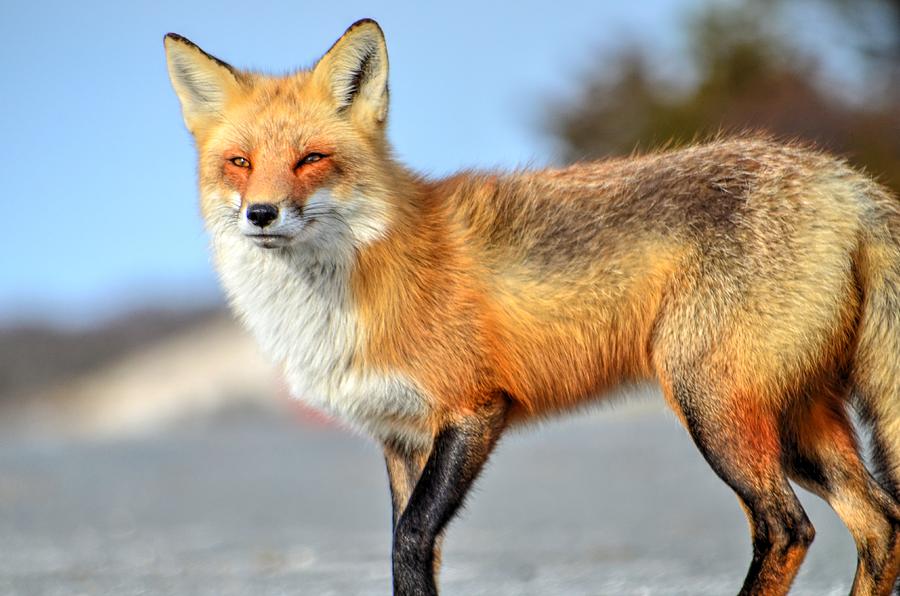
(311,158)
(241,162)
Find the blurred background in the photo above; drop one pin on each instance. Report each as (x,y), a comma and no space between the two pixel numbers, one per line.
(146,447)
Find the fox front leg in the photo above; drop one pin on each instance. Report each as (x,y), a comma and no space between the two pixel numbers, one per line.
(404,466)
(459,452)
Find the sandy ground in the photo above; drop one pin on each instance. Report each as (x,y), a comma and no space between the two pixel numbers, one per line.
(618,502)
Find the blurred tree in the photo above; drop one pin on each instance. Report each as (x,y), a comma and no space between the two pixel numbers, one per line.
(749,76)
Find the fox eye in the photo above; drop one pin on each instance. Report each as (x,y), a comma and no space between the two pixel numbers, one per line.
(311,158)
(241,162)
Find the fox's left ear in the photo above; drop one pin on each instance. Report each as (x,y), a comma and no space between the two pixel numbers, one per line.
(355,71)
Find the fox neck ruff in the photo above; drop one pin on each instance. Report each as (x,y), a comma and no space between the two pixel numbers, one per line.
(297,303)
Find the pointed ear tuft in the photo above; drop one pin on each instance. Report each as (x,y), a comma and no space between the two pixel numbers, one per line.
(202,82)
(355,71)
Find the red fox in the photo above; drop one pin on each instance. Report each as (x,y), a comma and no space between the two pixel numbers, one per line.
(757,282)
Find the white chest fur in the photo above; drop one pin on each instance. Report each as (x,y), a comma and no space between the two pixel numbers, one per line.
(298,307)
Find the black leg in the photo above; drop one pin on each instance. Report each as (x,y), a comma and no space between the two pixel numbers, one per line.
(458,455)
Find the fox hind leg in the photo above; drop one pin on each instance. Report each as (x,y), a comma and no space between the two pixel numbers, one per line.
(740,442)
(876,364)
(821,454)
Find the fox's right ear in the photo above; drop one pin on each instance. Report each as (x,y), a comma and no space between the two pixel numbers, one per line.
(202,82)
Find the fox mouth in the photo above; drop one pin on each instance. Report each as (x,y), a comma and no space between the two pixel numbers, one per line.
(276,236)
(269,240)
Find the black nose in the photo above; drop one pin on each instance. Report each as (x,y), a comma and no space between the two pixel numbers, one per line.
(262,214)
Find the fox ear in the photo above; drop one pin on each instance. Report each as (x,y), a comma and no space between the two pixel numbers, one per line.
(202,82)
(355,71)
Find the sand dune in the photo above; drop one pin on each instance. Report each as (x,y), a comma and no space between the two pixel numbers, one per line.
(205,369)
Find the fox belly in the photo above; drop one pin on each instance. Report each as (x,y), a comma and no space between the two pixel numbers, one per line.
(298,309)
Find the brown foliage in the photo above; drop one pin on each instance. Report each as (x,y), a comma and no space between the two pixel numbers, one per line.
(749,77)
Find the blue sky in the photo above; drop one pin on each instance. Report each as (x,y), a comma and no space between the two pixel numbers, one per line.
(99,192)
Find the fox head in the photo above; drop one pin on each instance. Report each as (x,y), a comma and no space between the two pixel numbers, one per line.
(293,161)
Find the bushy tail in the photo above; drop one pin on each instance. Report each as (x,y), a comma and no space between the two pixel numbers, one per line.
(877,362)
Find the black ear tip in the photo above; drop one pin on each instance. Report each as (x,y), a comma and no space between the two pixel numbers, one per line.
(178,38)
(365,23)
